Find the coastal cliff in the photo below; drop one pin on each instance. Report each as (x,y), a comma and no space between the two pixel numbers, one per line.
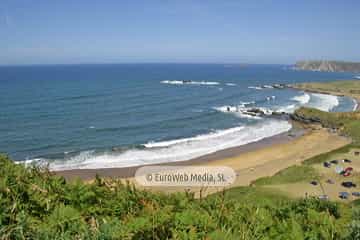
(328,66)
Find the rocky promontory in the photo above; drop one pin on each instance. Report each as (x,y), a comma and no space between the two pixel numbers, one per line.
(328,66)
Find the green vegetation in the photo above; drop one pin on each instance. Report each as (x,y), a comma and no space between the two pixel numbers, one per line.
(34,204)
(289,175)
(345,87)
(254,195)
(347,123)
(326,156)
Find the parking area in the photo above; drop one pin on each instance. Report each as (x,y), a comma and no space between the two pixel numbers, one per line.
(339,179)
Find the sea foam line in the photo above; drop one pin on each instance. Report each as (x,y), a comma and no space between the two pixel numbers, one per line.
(324,102)
(173,150)
(190,82)
(302,99)
(356,104)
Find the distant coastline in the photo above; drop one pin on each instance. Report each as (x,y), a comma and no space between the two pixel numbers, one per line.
(328,66)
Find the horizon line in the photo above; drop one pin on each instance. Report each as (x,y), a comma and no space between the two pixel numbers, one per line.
(134,63)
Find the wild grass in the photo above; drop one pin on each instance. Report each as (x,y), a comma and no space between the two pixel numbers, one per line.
(34,204)
(291,174)
(342,86)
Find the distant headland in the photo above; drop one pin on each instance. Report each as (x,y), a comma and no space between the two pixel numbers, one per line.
(328,66)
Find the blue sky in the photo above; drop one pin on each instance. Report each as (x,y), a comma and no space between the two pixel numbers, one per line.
(257,31)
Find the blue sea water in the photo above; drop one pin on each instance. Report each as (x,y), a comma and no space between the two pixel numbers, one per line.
(94,116)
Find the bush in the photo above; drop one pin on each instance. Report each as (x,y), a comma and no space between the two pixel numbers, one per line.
(34,204)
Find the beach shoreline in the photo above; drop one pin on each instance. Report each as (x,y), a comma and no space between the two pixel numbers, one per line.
(250,161)
(297,131)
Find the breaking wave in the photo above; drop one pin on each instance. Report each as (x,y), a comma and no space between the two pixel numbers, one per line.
(302,99)
(324,102)
(173,150)
(355,105)
(189,82)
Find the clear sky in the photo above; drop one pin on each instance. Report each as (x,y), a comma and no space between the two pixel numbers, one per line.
(116,31)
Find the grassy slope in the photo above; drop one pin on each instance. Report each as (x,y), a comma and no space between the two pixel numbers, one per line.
(36,205)
(289,175)
(348,87)
(347,123)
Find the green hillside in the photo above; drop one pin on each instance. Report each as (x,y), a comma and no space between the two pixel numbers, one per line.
(36,205)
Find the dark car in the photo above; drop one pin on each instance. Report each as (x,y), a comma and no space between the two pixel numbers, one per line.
(348,184)
(356,194)
(334,161)
(315,183)
(327,164)
(347,160)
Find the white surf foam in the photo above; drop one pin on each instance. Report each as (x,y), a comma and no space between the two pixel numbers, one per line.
(230,84)
(302,99)
(212,135)
(323,102)
(183,82)
(269,98)
(287,109)
(355,105)
(244,104)
(226,109)
(237,110)
(254,87)
(175,150)
(319,101)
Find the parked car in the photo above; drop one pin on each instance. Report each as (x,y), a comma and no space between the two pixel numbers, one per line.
(327,164)
(348,184)
(356,194)
(324,197)
(315,183)
(343,195)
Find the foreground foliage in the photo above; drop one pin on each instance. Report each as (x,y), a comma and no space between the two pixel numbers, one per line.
(34,204)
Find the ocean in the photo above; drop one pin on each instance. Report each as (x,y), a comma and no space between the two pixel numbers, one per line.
(120,115)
